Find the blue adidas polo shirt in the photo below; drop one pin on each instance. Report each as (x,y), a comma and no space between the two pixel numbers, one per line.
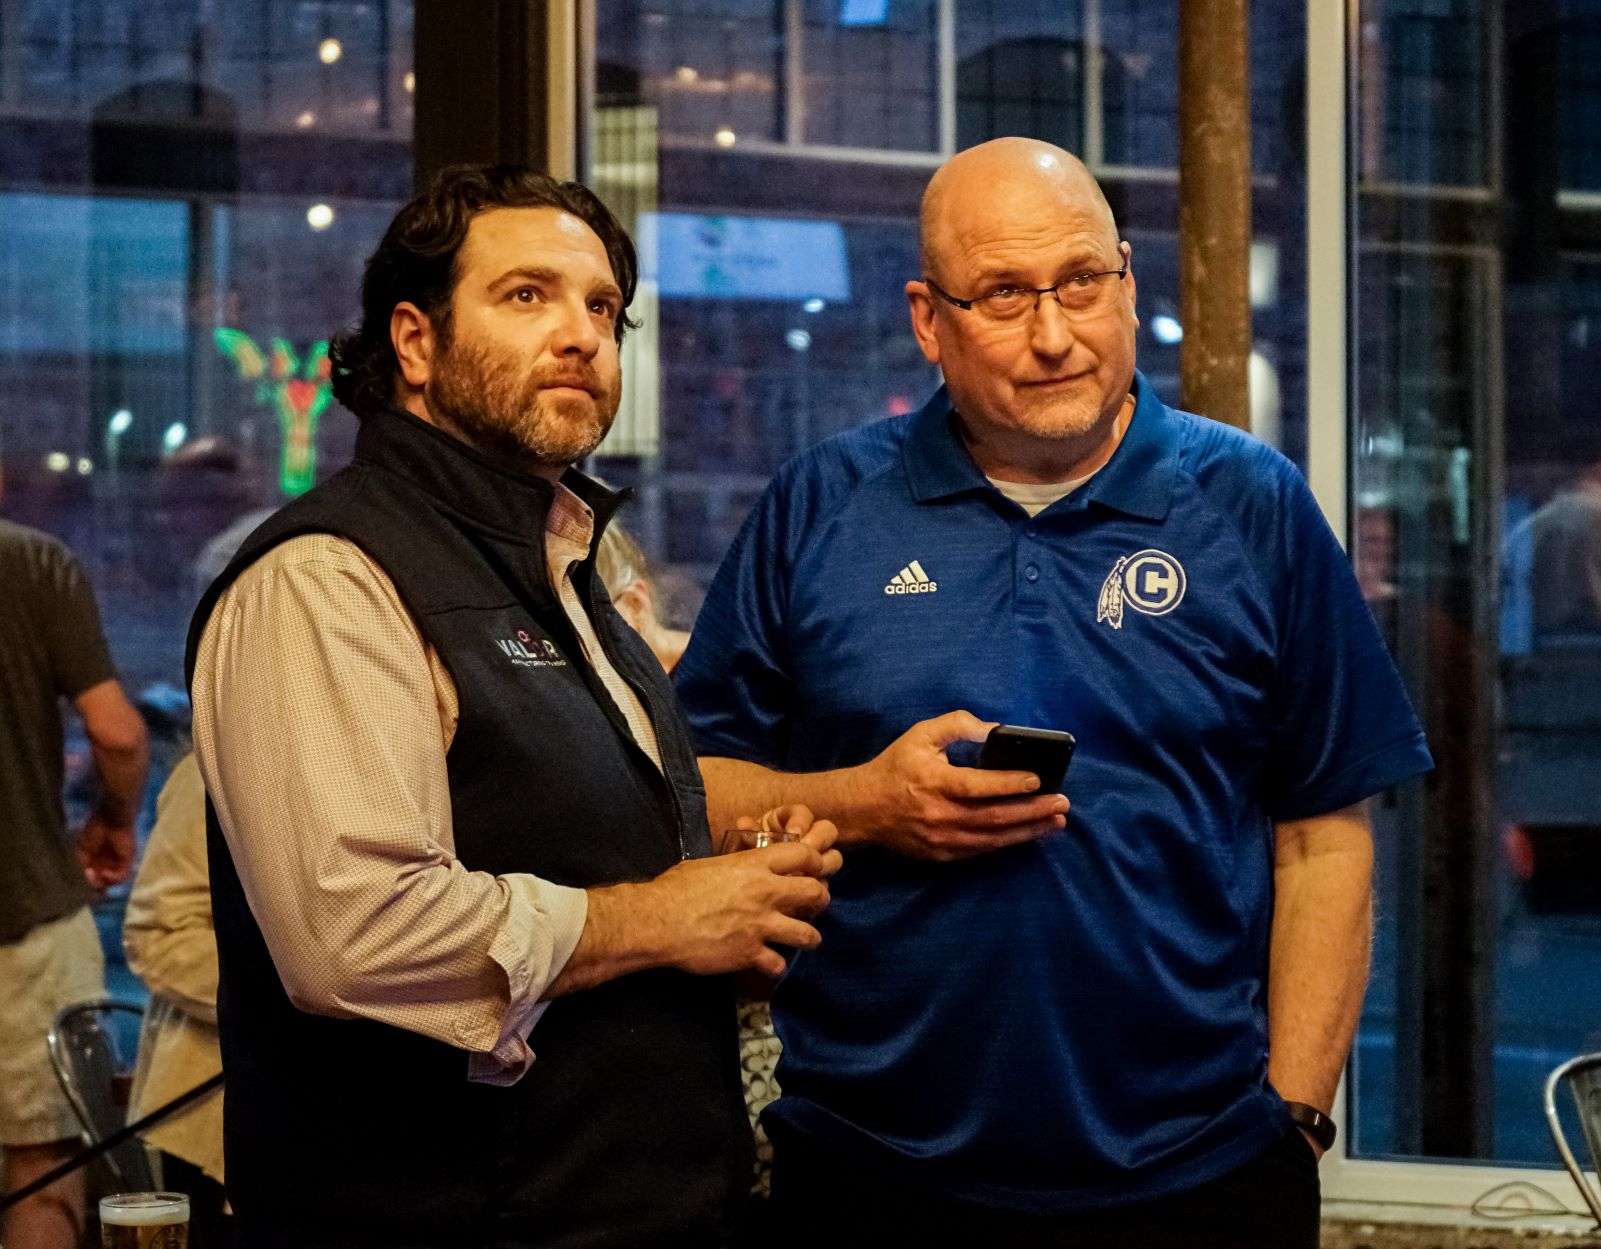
(1081,1021)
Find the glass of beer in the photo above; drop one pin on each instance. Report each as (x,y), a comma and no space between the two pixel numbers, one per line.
(144,1221)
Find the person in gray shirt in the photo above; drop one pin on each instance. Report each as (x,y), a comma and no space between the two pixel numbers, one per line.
(52,647)
(1565,548)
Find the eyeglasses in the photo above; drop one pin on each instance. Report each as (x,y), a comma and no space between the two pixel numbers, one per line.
(1079,295)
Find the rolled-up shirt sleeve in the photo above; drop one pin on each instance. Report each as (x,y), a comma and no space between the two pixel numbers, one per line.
(322,720)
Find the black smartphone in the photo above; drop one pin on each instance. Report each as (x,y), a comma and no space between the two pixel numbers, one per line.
(1044,752)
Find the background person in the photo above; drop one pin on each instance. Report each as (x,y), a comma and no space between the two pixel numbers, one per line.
(1092,1028)
(52,647)
(1563,542)
(622,566)
(167,934)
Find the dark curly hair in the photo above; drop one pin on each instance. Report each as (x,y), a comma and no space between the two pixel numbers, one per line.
(417,262)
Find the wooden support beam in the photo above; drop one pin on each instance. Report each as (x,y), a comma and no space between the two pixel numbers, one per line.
(1215,208)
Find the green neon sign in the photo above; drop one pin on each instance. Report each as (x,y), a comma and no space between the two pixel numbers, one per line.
(296,388)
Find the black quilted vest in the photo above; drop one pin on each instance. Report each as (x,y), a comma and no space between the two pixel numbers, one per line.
(629,1129)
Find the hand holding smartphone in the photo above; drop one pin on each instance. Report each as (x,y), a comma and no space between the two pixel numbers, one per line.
(1015,748)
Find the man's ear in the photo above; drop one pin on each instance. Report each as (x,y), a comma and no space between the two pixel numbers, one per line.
(412,335)
(633,603)
(1133,294)
(920,303)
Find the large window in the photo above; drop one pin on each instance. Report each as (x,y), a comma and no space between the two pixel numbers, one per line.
(187,194)
(1476,518)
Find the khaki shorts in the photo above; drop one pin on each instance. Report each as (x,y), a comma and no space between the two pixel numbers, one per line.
(56,965)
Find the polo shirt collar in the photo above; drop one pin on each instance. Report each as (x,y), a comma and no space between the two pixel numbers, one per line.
(1137,480)
(937,464)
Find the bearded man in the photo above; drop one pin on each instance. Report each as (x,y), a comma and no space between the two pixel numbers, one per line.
(454,814)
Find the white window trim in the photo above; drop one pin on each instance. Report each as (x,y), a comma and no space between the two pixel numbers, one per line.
(1328,261)
(1094,78)
(563,87)
(945,57)
(1392,1191)
(1430,190)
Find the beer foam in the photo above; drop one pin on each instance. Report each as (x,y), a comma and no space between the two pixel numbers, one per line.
(145,1210)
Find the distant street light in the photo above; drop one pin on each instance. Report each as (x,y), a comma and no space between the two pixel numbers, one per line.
(120,423)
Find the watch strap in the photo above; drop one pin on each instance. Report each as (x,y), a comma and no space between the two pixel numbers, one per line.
(1313,1122)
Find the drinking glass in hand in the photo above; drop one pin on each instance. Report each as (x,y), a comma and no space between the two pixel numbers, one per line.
(765,834)
(144,1221)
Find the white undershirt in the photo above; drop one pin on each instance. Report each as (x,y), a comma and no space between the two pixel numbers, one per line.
(1034,498)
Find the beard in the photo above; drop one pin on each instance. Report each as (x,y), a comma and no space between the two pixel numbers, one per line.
(501,406)
(1064,416)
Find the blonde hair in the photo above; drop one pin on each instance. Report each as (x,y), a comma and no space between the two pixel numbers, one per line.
(618,560)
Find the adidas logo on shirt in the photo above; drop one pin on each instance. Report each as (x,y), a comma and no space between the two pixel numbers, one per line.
(911,580)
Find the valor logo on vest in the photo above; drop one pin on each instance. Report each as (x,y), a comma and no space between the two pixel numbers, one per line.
(527,651)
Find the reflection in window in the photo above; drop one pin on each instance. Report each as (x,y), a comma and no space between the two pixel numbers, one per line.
(872,74)
(1476,528)
(1577,46)
(711,68)
(284,64)
(1423,92)
(1020,70)
(1140,38)
(1139,81)
(761,358)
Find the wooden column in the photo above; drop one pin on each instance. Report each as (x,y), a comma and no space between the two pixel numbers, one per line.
(484,73)
(1215,208)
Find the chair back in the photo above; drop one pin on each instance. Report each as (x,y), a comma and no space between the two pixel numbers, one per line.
(1582,1075)
(93,1061)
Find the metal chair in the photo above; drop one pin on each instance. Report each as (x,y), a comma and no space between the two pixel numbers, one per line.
(94,1068)
(1583,1076)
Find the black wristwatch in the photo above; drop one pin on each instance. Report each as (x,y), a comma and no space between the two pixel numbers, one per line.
(1313,1122)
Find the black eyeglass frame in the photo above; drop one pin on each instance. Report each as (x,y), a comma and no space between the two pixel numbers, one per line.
(966,305)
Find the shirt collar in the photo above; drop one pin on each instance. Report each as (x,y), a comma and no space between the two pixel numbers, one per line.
(1138,479)
(569,531)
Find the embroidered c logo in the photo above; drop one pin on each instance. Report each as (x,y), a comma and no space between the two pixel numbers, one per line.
(1153,582)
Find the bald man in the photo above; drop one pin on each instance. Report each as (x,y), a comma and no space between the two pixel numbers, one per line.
(1120,1023)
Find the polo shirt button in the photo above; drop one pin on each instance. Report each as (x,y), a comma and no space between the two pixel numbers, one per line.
(1031,572)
